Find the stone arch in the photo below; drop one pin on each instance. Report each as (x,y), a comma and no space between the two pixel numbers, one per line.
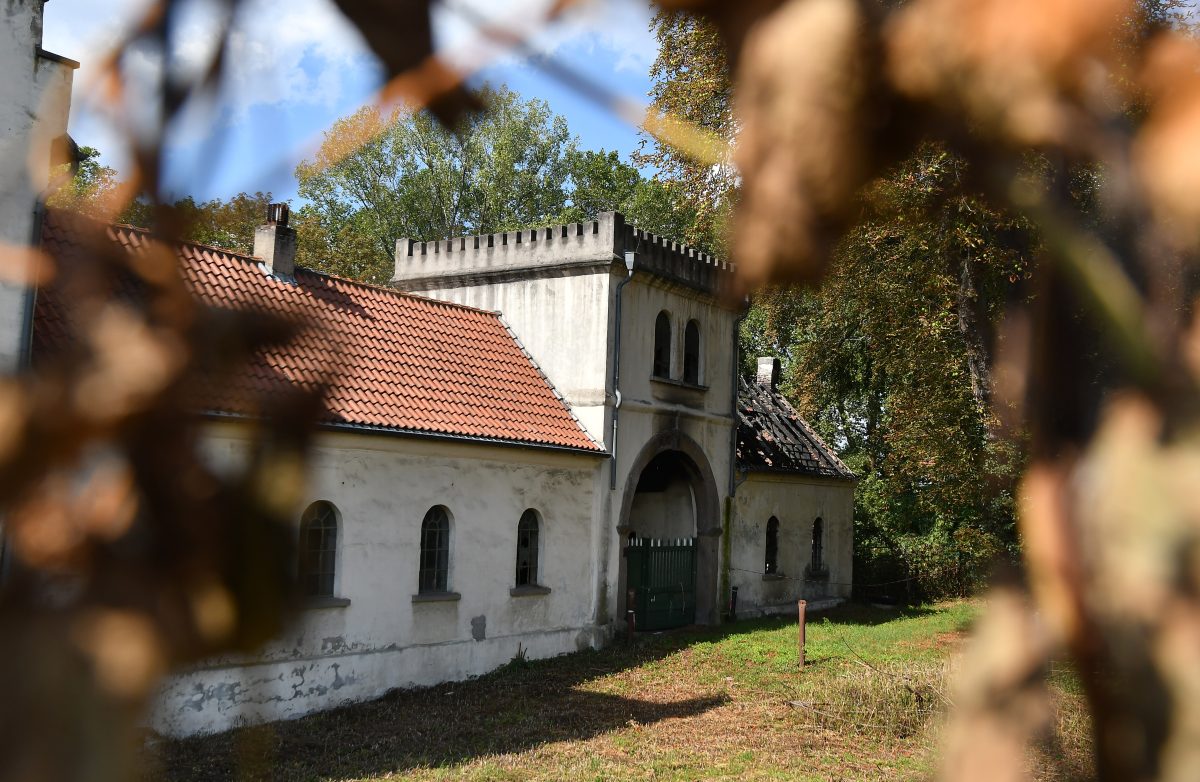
(707,513)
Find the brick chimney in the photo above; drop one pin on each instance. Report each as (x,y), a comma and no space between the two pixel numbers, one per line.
(768,372)
(275,243)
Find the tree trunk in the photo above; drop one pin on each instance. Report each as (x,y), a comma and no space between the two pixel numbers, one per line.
(969,321)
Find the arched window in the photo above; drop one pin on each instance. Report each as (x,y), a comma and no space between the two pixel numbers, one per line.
(662,345)
(318,549)
(435,551)
(818,545)
(691,353)
(772,564)
(527,549)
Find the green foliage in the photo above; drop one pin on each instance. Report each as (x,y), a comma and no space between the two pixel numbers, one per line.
(600,182)
(380,178)
(889,359)
(94,190)
(691,81)
(377,179)
(228,224)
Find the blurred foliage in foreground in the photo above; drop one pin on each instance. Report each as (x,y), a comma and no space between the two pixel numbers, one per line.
(1097,368)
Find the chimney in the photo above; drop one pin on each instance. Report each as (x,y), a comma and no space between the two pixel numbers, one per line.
(768,372)
(275,243)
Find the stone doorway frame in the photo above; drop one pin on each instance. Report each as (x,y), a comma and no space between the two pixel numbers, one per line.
(708,518)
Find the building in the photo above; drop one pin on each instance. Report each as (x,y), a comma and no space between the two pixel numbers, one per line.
(35,101)
(529,448)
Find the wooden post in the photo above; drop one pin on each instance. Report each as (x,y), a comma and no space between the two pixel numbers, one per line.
(802,606)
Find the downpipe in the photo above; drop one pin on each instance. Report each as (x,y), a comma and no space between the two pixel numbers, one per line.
(616,379)
(723,588)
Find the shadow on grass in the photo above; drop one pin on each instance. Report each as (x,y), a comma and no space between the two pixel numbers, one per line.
(516,708)
(845,614)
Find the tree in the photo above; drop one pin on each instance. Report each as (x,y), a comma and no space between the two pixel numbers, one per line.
(600,182)
(94,190)
(691,81)
(889,358)
(378,178)
(228,224)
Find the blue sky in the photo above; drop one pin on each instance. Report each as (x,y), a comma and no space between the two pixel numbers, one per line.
(297,67)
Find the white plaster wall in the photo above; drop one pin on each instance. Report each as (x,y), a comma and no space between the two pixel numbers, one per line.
(564,324)
(643,299)
(382,487)
(670,513)
(20,34)
(796,501)
(34,105)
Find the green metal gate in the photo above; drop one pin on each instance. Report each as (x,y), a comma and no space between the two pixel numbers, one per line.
(662,579)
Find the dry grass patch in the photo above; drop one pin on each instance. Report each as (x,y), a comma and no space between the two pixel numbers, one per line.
(692,705)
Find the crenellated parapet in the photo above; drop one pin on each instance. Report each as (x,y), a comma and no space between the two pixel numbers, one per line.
(678,263)
(554,251)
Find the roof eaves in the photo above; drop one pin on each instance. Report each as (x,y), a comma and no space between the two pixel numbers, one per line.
(256,261)
(424,434)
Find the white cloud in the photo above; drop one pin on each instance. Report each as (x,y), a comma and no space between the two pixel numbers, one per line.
(300,53)
(619,26)
(293,53)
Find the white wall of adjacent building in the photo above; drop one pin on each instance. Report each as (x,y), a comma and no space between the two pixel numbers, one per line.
(797,502)
(35,100)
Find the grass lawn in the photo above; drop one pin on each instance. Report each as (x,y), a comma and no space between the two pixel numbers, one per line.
(690,705)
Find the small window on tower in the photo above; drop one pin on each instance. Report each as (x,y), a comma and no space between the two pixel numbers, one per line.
(662,345)
(691,353)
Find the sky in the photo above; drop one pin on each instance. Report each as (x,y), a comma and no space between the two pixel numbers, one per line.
(297,66)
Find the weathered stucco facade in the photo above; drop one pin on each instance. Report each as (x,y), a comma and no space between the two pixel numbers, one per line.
(584,300)
(792,521)
(376,633)
(796,502)
(35,101)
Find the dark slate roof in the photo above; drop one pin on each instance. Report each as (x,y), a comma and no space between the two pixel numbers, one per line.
(772,437)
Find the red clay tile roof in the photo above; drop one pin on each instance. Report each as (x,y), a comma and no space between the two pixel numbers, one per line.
(401,362)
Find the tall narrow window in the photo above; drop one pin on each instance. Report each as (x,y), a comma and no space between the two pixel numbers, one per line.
(818,545)
(318,549)
(435,551)
(691,353)
(527,549)
(772,564)
(662,345)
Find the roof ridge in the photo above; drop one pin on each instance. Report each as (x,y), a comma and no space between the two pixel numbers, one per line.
(256,259)
(828,451)
(409,364)
(772,398)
